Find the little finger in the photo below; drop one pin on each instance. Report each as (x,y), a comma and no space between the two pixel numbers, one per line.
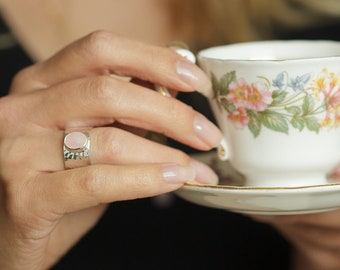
(72,190)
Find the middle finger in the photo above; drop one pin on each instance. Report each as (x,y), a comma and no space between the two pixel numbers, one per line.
(97,100)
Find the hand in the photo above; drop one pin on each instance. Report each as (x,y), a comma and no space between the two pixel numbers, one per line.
(315,238)
(44,208)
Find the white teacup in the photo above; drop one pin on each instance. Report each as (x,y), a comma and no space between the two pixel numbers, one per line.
(278,105)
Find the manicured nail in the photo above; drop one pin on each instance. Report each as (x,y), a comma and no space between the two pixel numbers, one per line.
(204,174)
(176,174)
(207,131)
(186,54)
(194,76)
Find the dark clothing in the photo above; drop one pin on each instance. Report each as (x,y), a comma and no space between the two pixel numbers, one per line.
(12,59)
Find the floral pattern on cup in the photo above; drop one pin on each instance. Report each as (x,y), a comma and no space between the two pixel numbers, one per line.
(280,103)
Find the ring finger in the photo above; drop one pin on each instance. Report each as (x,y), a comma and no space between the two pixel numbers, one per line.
(107,148)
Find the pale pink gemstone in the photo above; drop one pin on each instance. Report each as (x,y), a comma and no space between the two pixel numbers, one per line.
(75,140)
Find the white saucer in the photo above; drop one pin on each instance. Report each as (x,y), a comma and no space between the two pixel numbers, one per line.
(231,195)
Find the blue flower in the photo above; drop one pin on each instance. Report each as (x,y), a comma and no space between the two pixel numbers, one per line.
(278,81)
(299,82)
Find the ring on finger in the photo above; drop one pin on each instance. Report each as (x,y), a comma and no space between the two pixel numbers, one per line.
(76,149)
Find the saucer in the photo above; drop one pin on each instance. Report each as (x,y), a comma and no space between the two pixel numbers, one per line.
(231,194)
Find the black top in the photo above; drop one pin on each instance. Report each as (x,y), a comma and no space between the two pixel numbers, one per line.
(12,58)
(175,234)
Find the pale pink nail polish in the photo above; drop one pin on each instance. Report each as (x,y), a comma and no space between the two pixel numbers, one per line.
(177,174)
(194,76)
(204,174)
(207,131)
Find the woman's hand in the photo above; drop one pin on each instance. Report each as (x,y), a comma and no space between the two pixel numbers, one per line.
(315,238)
(44,208)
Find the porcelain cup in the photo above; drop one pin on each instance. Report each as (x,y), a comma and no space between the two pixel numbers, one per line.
(278,106)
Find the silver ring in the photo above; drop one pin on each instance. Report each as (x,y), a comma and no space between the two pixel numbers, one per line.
(76,149)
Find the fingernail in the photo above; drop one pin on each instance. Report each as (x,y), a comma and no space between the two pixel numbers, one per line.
(194,76)
(204,174)
(207,131)
(176,174)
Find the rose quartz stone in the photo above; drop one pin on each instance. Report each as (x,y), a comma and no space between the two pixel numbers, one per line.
(75,140)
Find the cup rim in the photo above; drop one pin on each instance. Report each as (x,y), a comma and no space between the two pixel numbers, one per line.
(247,48)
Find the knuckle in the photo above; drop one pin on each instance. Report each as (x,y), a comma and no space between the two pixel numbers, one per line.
(97,42)
(20,79)
(111,139)
(91,182)
(98,88)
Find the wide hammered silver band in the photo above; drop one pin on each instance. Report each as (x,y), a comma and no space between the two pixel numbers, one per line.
(76,149)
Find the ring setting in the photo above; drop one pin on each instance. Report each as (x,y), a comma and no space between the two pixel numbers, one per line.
(76,149)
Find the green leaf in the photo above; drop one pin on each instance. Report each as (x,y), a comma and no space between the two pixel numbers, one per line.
(278,96)
(215,85)
(225,80)
(255,123)
(274,121)
(312,124)
(295,110)
(229,107)
(308,105)
(298,122)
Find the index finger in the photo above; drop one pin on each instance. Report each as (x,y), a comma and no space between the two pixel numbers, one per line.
(103,52)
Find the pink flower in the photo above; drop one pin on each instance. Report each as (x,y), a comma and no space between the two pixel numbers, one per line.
(238,93)
(239,117)
(259,97)
(335,99)
(254,97)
